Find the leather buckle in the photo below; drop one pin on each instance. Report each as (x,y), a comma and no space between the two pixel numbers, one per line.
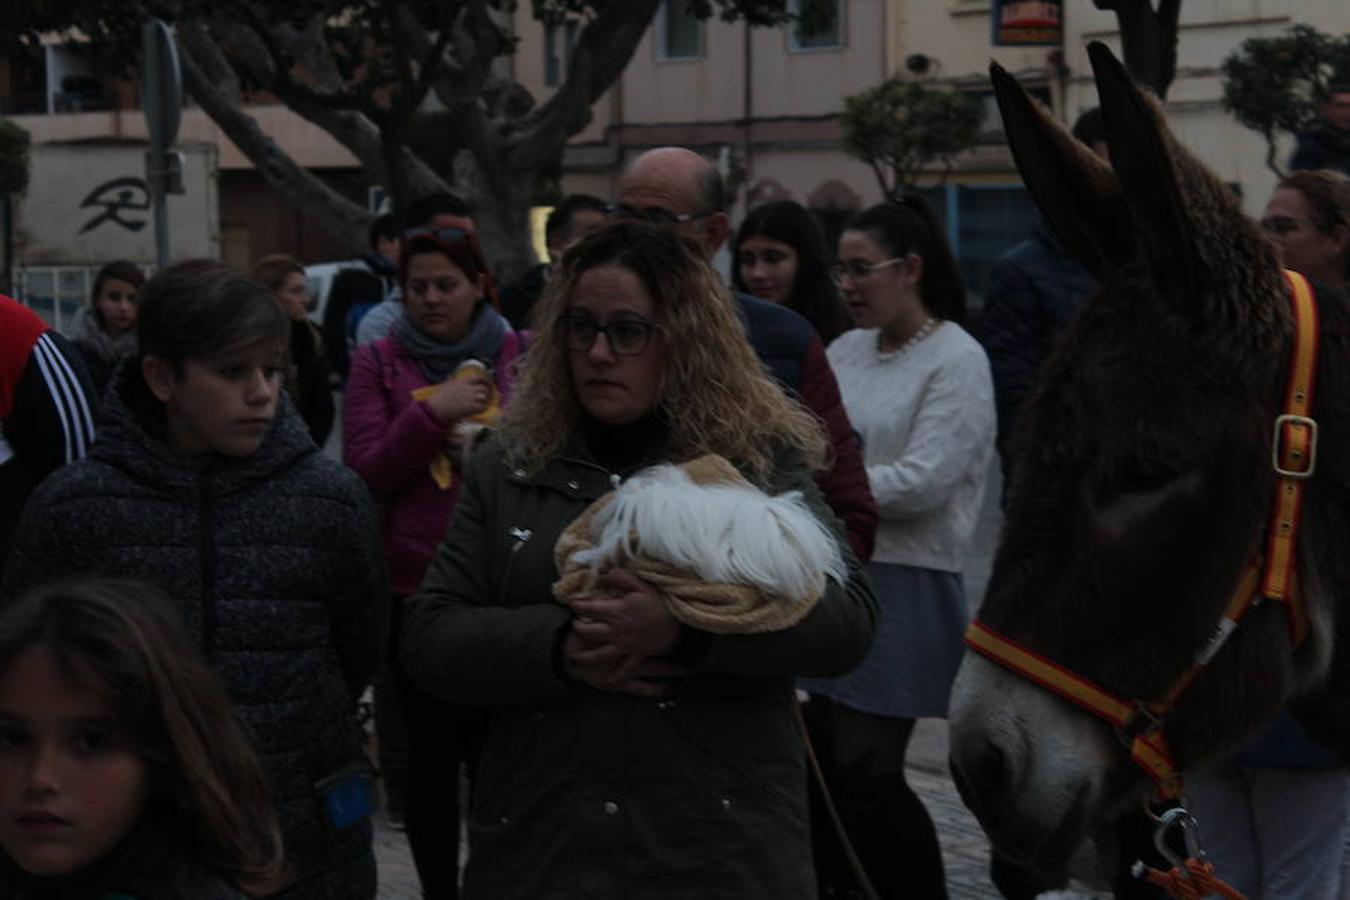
(1143,722)
(1278,446)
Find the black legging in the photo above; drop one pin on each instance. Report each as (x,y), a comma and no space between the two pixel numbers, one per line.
(439,737)
(891,831)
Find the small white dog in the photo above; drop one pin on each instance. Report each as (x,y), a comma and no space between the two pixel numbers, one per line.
(725,531)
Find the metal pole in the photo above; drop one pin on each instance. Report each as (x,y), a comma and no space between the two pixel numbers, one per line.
(162,100)
(159,203)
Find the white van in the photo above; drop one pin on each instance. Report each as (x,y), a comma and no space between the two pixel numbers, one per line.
(318,280)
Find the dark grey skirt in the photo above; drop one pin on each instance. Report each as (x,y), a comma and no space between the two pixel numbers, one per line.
(908,673)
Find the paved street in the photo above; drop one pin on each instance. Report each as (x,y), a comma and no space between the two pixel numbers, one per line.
(965,849)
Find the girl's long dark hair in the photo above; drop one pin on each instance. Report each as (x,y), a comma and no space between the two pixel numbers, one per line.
(208,797)
(813,293)
(906,224)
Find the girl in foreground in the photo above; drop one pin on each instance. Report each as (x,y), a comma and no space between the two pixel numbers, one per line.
(123,770)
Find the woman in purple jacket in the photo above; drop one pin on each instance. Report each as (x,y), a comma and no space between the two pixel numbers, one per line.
(413,401)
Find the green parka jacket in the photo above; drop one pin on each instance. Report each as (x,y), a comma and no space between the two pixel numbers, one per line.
(584,793)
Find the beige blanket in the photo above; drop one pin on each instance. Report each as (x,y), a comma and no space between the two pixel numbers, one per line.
(721,608)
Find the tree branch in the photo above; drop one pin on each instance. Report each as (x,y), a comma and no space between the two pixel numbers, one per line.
(402,56)
(342,218)
(603,50)
(284,85)
(352,128)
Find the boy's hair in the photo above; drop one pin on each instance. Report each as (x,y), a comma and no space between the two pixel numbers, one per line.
(385,226)
(271,271)
(199,308)
(124,640)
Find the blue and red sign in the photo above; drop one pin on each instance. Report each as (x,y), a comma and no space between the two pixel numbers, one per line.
(1022,23)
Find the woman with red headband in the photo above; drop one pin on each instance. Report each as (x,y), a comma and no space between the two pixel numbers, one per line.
(413,401)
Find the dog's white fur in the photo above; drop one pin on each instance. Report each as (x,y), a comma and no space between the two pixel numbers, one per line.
(726,533)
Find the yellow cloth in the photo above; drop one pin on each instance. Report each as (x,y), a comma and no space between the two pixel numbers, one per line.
(718,607)
(441,469)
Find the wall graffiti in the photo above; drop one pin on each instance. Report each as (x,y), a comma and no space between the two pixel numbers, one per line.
(116,197)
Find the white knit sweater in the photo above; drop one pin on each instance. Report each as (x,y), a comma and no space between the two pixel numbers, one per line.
(926,416)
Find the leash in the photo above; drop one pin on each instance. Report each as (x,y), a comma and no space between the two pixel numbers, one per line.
(853,861)
(1191,878)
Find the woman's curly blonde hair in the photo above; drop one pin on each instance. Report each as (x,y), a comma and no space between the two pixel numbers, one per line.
(716,395)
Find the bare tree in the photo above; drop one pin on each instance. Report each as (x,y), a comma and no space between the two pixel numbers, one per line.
(364,70)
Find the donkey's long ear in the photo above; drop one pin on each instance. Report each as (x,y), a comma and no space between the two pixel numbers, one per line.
(1075,191)
(1141,155)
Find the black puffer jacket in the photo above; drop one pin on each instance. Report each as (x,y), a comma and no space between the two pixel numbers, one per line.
(275,561)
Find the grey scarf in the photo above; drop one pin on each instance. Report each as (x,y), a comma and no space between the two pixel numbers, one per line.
(90,333)
(437,359)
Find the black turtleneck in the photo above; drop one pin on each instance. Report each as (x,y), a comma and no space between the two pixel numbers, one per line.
(622,448)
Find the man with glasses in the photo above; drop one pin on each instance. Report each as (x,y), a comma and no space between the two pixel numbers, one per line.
(676,187)
(437,211)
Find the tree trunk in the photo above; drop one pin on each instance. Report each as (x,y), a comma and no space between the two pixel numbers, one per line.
(501,203)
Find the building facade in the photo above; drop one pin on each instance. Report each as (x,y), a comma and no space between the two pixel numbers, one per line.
(766,102)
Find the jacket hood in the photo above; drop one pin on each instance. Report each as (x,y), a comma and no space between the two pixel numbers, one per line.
(130,437)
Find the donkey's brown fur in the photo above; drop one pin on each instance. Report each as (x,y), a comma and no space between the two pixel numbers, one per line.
(1142,480)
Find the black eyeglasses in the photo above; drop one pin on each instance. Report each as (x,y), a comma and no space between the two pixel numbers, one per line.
(652,215)
(1279,226)
(448,235)
(627,337)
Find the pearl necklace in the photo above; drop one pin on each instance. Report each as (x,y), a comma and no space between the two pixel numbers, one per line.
(928,327)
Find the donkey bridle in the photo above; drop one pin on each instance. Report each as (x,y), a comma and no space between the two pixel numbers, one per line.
(1269,576)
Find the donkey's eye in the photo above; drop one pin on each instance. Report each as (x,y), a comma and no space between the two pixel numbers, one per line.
(1142,478)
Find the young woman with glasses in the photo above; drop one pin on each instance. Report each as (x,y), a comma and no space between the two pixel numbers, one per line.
(411,401)
(780,256)
(627,752)
(1308,218)
(917,388)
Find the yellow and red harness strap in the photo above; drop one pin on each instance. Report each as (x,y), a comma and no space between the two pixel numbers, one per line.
(1148,750)
(1295,452)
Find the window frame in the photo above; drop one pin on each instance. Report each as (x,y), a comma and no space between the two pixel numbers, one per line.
(660,36)
(61,308)
(794,44)
(557,59)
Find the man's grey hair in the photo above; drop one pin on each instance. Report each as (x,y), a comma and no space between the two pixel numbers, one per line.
(712,190)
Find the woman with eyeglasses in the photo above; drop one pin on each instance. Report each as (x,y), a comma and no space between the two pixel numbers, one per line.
(780,256)
(105,332)
(1308,218)
(414,400)
(917,388)
(628,754)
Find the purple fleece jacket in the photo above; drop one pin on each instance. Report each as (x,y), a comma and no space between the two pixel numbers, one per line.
(389,440)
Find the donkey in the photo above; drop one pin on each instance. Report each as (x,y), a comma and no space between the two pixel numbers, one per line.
(1142,484)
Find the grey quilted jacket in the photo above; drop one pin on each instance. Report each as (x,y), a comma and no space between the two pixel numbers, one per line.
(275,561)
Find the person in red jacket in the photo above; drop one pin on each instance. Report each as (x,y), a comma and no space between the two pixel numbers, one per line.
(675,186)
(47,407)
